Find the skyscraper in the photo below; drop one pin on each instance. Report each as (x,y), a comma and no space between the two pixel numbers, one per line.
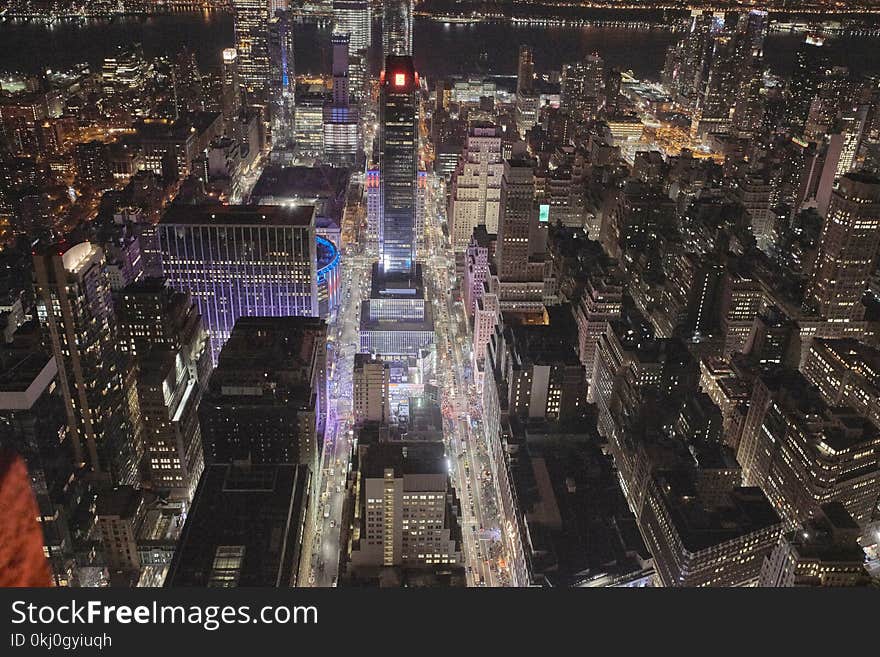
(521,238)
(397,320)
(583,87)
(848,247)
(266,266)
(517,216)
(811,63)
(686,68)
(397,24)
(854,121)
(476,185)
(163,331)
(341,138)
(231,86)
(526,98)
(266,400)
(398,164)
(353,17)
(282,79)
(74,304)
(244,528)
(716,96)
(251,24)
(804,453)
(309,137)
(407,514)
(370,383)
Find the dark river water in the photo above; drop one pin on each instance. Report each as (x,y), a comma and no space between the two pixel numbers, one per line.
(440,49)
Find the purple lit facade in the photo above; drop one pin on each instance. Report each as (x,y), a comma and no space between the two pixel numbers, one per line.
(242,260)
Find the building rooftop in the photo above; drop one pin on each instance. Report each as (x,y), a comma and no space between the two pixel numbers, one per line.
(301,183)
(390,286)
(543,344)
(24,375)
(405,458)
(122,501)
(579,525)
(256,215)
(243,527)
(270,356)
(856,356)
(702,525)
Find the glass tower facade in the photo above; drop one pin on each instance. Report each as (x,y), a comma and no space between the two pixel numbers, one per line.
(398,163)
(397,23)
(251,20)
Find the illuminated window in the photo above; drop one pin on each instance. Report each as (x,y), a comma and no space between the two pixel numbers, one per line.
(399,79)
(227,566)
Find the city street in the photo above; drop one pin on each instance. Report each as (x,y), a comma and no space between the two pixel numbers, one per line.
(465,443)
(343,343)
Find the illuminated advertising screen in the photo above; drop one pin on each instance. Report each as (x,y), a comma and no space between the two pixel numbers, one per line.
(544,213)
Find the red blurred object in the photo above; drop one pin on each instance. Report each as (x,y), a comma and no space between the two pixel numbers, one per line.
(22,562)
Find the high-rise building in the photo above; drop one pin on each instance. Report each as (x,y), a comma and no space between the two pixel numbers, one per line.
(847,373)
(544,376)
(527,98)
(266,400)
(33,425)
(163,331)
(705,537)
(244,528)
(397,320)
(309,120)
(811,64)
(397,26)
(600,304)
(251,24)
(120,513)
(267,266)
(231,87)
(398,164)
(804,454)
(742,298)
(282,79)
(825,552)
(93,165)
(341,125)
(583,87)
(715,99)
(476,185)
(755,194)
(613,82)
(520,244)
(370,389)
(852,129)
(516,218)
(848,248)
(74,304)
(408,515)
(478,256)
(353,17)
(686,68)
(373,184)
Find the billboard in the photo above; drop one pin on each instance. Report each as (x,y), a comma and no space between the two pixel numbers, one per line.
(544,213)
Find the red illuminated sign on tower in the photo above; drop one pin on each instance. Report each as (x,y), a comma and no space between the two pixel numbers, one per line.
(400,79)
